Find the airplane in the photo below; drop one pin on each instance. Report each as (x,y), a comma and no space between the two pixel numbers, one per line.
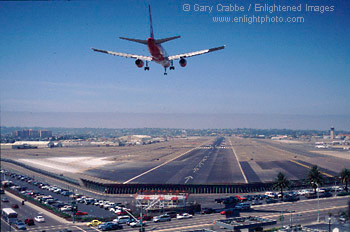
(158,53)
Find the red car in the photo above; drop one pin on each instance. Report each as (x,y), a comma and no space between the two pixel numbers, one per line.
(15,206)
(240,198)
(79,213)
(29,222)
(226,212)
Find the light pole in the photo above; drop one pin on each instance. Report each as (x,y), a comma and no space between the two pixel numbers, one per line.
(291,218)
(297,226)
(318,201)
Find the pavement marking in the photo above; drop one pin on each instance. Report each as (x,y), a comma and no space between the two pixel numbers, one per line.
(239,164)
(306,166)
(160,165)
(308,211)
(79,228)
(184,227)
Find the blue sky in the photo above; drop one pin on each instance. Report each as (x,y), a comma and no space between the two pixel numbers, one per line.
(46,64)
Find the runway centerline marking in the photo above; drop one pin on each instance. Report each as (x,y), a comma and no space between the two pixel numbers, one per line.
(306,166)
(239,164)
(160,165)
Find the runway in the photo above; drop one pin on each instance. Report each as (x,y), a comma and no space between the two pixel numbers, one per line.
(198,160)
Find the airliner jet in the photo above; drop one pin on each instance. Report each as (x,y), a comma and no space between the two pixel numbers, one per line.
(158,54)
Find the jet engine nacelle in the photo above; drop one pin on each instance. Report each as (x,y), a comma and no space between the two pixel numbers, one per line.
(182,62)
(139,63)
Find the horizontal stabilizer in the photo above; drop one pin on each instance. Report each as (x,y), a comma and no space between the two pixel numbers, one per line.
(159,41)
(142,41)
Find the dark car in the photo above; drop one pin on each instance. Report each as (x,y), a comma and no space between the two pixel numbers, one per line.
(326,194)
(4,199)
(271,200)
(111,226)
(310,195)
(29,221)
(14,206)
(172,214)
(290,198)
(207,211)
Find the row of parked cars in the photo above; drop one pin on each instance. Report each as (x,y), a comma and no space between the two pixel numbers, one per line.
(136,222)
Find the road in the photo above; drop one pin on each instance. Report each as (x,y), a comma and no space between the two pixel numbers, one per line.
(307,208)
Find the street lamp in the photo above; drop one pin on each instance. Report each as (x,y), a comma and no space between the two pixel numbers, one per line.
(318,201)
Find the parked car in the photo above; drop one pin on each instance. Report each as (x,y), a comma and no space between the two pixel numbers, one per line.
(256,202)
(80,213)
(270,201)
(137,223)
(242,206)
(270,194)
(114,226)
(39,218)
(20,225)
(122,219)
(162,218)
(226,212)
(184,216)
(207,211)
(94,223)
(29,221)
(326,194)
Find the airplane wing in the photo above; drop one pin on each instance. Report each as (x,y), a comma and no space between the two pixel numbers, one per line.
(185,55)
(148,58)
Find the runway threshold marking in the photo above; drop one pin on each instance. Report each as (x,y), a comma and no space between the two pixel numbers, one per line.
(160,165)
(239,164)
(306,166)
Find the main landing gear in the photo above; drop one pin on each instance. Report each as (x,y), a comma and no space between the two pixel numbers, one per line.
(165,71)
(146,67)
(172,65)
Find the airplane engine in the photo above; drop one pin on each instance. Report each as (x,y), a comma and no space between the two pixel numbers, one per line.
(182,62)
(139,63)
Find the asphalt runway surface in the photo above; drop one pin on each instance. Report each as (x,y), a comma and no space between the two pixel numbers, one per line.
(200,166)
(202,160)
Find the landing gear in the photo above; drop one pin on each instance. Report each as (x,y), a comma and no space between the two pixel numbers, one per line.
(146,67)
(172,66)
(165,71)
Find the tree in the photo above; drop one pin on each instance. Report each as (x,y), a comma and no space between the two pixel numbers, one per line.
(281,182)
(345,177)
(315,177)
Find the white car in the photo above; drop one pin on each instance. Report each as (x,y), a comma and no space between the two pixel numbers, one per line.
(66,208)
(137,224)
(122,219)
(184,216)
(39,219)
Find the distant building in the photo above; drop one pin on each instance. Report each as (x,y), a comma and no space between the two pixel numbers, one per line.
(32,134)
(332,133)
(45,134)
